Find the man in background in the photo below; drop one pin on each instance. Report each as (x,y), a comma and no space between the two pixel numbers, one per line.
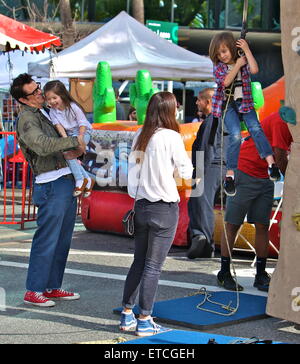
(254,199)
(207,145)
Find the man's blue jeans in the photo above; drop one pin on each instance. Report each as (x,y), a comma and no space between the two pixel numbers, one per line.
(51,243)
(233,126)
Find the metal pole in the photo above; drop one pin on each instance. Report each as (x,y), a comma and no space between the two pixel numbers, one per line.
(128,6)
(172,11)
(82,9)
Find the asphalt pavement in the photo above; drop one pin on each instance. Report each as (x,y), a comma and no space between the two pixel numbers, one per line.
(97,267)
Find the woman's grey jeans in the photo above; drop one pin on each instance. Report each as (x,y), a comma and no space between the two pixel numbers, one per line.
(155,228)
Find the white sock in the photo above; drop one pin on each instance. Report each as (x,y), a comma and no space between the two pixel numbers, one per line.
(79,183)
(145,319)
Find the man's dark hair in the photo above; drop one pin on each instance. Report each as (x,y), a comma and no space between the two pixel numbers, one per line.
(16,89)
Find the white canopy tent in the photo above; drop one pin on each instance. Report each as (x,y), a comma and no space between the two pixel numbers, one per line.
(16,62)
(127,46)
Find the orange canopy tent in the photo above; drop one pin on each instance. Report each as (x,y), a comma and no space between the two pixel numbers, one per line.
(16,35)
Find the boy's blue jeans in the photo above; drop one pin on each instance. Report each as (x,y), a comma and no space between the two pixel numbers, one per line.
(51,243)
(233,126)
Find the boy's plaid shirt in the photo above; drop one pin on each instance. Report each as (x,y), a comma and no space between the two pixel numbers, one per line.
(220,73)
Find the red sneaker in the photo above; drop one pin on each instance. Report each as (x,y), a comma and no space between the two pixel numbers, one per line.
(37,299)
(61,294)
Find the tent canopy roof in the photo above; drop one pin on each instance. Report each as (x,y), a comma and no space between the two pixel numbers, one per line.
(16,35)
(127,46)
(15,62)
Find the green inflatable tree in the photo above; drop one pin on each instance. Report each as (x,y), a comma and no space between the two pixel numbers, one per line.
(258,100)
(140,93)
(103,95)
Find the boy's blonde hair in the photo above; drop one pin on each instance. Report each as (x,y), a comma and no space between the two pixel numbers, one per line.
(228,40)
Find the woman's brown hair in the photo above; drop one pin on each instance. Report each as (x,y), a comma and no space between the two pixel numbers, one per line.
(161,113)
(219,39)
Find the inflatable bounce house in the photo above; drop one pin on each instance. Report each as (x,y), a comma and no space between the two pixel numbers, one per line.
(110,145)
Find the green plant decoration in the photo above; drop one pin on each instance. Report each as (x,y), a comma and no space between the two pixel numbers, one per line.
(140,93)
(103,95)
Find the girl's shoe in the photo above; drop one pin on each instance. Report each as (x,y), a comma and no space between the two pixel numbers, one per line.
(229,186)
(88,191)
(79,190)
(128,321)
(274,173)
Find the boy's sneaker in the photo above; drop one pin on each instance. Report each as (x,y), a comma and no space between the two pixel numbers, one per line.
(149,327)
(128,321)
(274,173)
(226,281)
(60,294)
(37,299)
(262,282)
(229,186)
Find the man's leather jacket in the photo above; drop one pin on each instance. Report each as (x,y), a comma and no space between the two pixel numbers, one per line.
(40,143)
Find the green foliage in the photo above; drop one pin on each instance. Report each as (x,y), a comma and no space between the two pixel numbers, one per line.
(184,13)
(201,18)
(104,9)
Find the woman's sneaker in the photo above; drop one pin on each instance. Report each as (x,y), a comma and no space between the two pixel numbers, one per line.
(61,294)
(128,321)
(149,327)
(37,299)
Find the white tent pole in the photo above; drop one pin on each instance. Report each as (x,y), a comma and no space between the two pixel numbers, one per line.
(170,86)
(122,87)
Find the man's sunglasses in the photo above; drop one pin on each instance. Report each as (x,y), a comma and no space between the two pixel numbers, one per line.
(35,91)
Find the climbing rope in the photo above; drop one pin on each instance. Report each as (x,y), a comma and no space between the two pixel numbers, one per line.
(207,296)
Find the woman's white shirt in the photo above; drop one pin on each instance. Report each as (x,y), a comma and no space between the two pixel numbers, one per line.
(164,154)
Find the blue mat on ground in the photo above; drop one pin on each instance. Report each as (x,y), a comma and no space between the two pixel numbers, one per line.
(184,311)
(184,337)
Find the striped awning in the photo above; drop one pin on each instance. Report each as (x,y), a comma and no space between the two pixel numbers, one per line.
(16,35)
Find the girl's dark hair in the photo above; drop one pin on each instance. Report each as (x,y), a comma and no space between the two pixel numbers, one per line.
(60,90)
(161,113)
(227,39)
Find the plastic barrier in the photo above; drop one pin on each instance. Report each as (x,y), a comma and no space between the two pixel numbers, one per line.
(106,161)
(16,205)
(273,96)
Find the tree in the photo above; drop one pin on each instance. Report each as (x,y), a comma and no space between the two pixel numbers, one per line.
(284,293)
(138,10)
(68,36)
